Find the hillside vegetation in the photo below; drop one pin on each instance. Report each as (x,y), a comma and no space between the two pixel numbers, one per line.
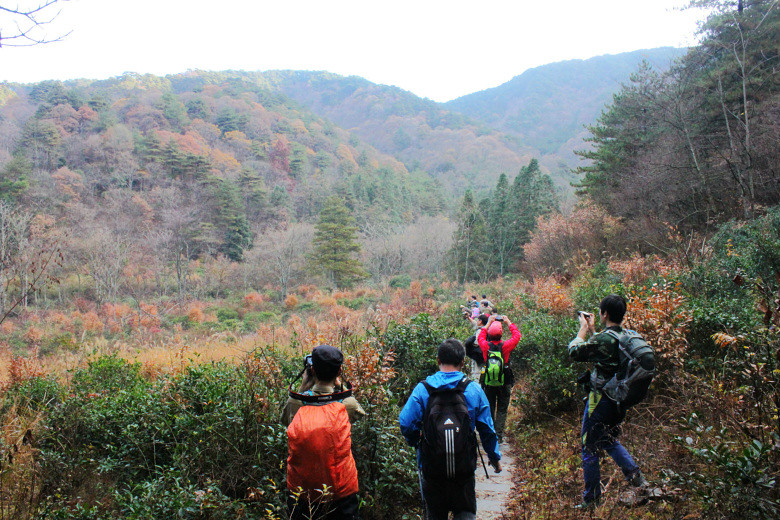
(171,248)
(459,152)
(548,107)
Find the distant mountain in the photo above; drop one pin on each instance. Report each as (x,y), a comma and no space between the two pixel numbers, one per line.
(540,113)
(458,151)
(546,107)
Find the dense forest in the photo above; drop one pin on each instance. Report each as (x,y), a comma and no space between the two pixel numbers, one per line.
(171,247)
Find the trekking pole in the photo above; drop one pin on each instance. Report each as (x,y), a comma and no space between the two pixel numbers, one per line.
(483,462)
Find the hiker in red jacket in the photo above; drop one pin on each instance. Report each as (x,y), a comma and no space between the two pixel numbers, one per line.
(498,377)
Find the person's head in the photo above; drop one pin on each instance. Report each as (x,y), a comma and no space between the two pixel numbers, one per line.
(326,362)
(495,331)
(451,352)
(613,308)
(482,319)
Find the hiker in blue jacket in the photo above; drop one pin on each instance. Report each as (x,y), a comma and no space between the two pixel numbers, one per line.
(441,494)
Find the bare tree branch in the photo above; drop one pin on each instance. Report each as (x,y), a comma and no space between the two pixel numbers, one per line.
(23,26)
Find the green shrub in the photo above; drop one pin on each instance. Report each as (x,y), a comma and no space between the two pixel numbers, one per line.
(33,395)
(724,289)
(224,314)
(387,467)
(738,478)
(593,285)
(543,357)
(212,427)
(107,374)
(355,304)
(308,306)
(402,281)
(414,346)
(64,342)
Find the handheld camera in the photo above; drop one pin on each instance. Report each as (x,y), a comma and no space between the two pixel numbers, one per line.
(586,315)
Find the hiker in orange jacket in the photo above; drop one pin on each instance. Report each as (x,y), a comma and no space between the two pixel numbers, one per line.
(320,443)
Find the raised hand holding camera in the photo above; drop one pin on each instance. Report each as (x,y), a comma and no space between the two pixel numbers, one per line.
(587,323)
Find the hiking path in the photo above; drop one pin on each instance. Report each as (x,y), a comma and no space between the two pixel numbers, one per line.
(493,493)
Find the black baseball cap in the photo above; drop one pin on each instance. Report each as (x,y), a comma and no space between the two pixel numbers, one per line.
(326,361)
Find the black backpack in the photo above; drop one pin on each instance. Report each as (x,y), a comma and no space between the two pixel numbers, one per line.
(631,382)
(448,448)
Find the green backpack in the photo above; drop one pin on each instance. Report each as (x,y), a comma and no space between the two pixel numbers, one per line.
(494,366)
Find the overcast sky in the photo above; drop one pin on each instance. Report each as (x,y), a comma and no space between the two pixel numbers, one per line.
(435,49)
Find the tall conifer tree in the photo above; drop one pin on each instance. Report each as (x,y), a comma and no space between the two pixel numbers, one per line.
(502,224)
(468,255)
(335,245)
(533,195)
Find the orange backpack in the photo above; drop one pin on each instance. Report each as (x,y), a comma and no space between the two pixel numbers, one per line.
(320,451)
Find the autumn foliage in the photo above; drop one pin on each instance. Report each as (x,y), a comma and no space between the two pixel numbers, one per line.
(660,313)
(560,242)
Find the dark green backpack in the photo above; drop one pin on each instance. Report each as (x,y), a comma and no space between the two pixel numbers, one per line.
(630,384)
(494,366)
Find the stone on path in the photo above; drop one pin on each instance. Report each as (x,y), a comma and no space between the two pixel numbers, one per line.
(493,493)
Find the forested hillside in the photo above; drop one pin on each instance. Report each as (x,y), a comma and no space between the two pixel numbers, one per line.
(188,165)
(541,113)
(460,152)
(698,144)
(547,107)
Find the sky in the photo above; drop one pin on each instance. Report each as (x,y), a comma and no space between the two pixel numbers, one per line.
(435,49)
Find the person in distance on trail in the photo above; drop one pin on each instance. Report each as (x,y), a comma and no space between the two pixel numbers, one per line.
(498,378)
(439,419)
(602,418)
(320,443)
(472,347)
(485,306)
(471,309)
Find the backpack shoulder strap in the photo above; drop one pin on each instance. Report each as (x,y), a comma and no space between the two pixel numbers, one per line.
(498,347)
(462,384)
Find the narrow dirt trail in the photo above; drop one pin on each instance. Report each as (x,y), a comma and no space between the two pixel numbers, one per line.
(493,492)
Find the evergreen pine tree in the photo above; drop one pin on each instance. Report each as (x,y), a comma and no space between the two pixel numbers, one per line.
(335,245)
(468,256)
(13,178)
(502,224)
(228,218)
(533,195)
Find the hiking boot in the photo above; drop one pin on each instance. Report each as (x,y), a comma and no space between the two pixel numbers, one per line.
(588,505)
(637,480)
